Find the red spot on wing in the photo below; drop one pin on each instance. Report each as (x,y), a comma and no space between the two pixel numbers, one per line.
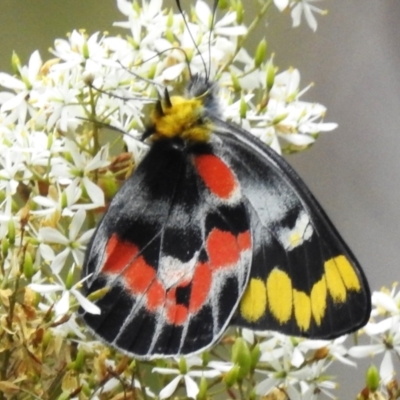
(201,285)
(216,175)
(139,276)
(176,314)
(244,241)
(119,255)
(155,296)
(222,249)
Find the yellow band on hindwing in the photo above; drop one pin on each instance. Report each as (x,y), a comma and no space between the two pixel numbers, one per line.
(254,301)
(182,118)
(280,295)
(334,281)
(347,273)
(318,300)
(302,309)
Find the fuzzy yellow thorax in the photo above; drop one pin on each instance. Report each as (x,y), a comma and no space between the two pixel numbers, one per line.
(182,118)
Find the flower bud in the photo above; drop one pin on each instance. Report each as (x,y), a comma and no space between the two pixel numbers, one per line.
(261,52)
(27,266)
(231,376)
(373,378)
(241,356)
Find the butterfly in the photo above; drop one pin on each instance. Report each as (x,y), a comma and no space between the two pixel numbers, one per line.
(213,229)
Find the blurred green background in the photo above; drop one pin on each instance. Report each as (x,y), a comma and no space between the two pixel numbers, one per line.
(27,25)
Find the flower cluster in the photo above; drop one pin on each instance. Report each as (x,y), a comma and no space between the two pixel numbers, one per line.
(60,165)
(300,7)
(383,332)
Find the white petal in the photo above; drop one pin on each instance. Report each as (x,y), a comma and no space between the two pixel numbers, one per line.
(45,288)
(14,102)
(94,192)
(293,393)
(100,160)
(59,261)
(170,388)
(232,31)
(327,126)
(192,389)
(248,335)
(385,301)
(86,304)
(53,236)
(386,371)
(296,15)
(203,12)
(264,387)
(366,351)
(35,63)
(79,256)
(44,201)
(125,7)
(281,4)
(9,82)
(297,358)
(312,22)
(220,366)
(62,306)
(76,224)
(173,72)
(85,238)
(46,252)
(298,139)
(373,329)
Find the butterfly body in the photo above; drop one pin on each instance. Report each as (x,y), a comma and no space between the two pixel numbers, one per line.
(214,228)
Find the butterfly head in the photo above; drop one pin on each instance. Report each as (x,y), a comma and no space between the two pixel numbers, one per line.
(188,117)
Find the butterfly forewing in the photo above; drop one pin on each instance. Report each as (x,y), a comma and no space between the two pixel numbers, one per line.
(174,252)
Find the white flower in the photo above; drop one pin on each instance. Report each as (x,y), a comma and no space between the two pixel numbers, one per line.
(63,200)
(62,302)
(303,6)
(384,333)
(78,171)
(187,376)
(73,243)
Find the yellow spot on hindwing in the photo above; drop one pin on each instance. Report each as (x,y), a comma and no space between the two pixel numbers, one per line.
(280,296)
(334,281)
(183,118)
(318,300)
(302,309)
(254,301)
(347,273)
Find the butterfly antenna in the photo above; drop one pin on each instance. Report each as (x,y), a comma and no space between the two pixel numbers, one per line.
(214,13)
(178,3)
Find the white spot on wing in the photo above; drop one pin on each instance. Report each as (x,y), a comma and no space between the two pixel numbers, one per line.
(296,236)
(172,271)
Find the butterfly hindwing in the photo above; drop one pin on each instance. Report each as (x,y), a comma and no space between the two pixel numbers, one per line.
(304,279)
(174,253)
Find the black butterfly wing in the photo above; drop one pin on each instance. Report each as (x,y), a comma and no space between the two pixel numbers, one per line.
(304,278)
(173,254)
